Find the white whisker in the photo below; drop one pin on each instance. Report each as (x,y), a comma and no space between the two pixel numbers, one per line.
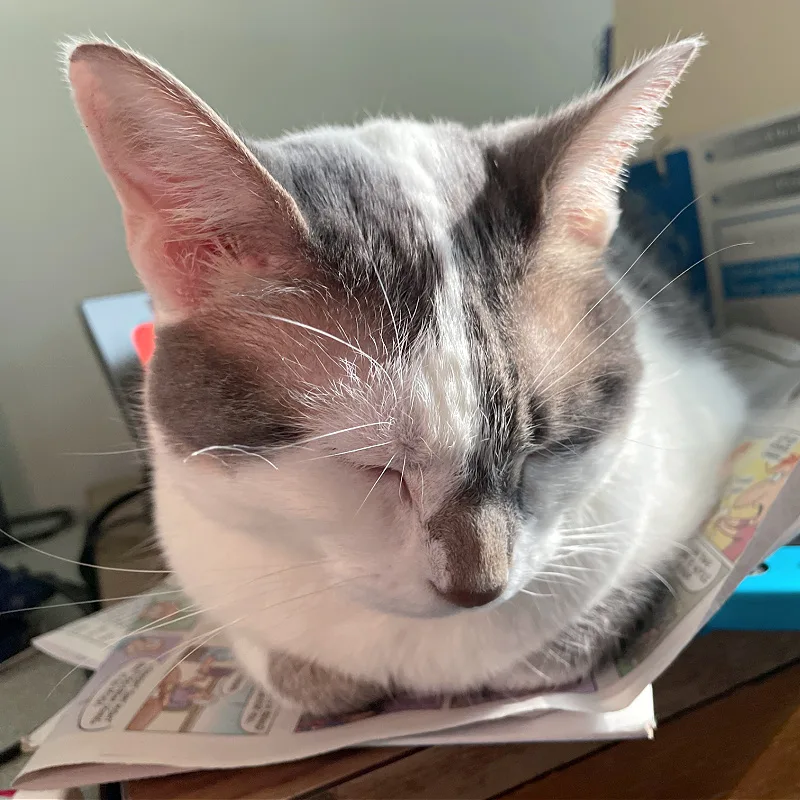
(372,488)
(640,309)
(347,452)
(388,306)
(536,671)
(402,477)
(613,287)
(535,594)
(81,563)
(111,452)
(581,550)
(47,606)
(627,439)
(332,433)
(561,575)
(234,448)
(331,336)
(315,592)
(595,527)
(663,580)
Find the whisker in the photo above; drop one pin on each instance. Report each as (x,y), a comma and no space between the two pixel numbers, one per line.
(536,671)
(47,606)
(595,527)
(205,641)
(209,635)
(383,472)
(663,580)
(577,568)
(341,341)
(553,653)
(535,594)
(562,575)
(289,618)
(169,619)
(315,592)
(641,308)
(81,563)
(402,477)
(592,379)
(332,433)
(347,452)
(184,643)
(234,448)
(627,439)
(111,452)
(614,286)
(388,305)
(581,550)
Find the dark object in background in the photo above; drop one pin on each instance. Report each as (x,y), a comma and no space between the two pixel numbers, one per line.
(110,322)
(20,593)
(19,589)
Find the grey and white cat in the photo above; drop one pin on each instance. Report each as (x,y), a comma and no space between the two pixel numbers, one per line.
(415,421)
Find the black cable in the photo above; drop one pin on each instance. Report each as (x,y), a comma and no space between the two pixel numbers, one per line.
(63,518)
(94,530)
(59,518)
(11,752)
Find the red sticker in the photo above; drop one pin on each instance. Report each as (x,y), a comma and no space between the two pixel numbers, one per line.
(144,342)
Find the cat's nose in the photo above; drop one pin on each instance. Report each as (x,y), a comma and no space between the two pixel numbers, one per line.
(471,598)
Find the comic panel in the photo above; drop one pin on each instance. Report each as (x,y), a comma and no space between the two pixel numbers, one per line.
(760,469)
(205,692)
(166,615)
(126,670)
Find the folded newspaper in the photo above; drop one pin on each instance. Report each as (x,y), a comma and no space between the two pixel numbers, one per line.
(167,698)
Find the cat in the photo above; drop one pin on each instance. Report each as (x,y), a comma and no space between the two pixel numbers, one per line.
(420,417)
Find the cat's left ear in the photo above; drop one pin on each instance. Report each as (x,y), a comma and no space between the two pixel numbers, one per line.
(596,136)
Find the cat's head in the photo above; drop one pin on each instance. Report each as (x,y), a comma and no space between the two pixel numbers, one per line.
(395,345)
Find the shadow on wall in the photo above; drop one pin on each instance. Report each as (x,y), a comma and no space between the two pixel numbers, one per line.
(13,481)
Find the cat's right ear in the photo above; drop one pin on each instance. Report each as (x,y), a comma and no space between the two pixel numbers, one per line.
(197,205)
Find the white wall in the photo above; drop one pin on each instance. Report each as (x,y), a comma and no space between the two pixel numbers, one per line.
(748,70)
(267,66)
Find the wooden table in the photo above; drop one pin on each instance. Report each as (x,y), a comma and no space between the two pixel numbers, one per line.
(729,712)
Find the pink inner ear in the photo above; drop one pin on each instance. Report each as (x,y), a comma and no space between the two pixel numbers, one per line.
(196,202)
(167,266)
(620,116)
(592,226)
(173,271)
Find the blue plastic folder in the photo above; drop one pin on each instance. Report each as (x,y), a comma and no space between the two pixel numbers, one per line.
(657,192)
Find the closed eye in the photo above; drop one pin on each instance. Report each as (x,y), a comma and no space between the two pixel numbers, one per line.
(391,477)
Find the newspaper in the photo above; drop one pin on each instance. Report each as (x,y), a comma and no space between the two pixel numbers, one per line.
(88,641)
(170,697)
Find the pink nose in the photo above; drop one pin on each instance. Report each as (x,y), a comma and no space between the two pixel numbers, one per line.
(471,598)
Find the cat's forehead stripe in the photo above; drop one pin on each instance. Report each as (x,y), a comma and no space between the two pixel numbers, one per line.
(430,231)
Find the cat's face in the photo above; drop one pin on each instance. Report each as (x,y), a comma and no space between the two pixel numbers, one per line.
(436,457)
(394,348)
